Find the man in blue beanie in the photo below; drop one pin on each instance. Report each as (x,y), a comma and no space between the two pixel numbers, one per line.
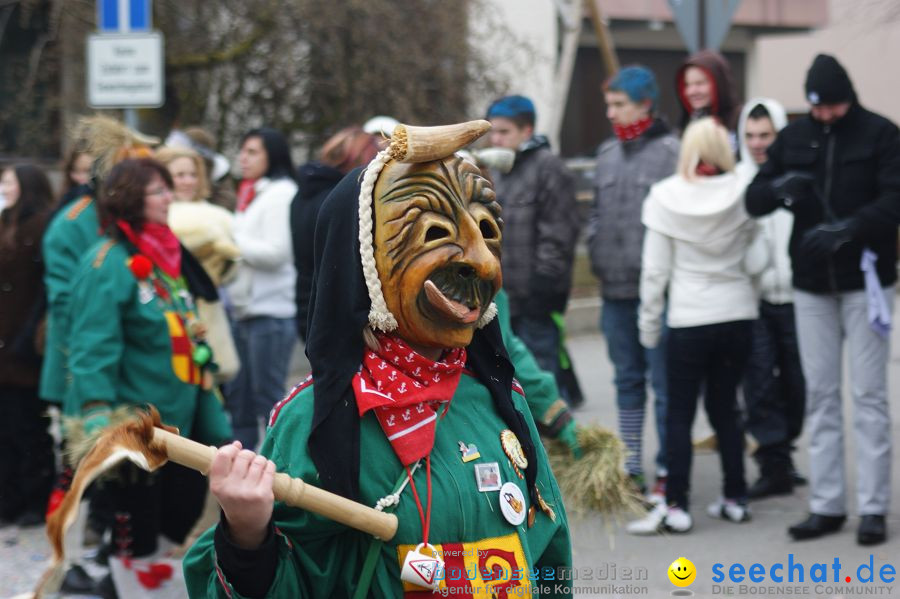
(642,151)
(837,170)
(540,228)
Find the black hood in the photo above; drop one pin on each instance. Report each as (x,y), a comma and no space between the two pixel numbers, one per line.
(315,177)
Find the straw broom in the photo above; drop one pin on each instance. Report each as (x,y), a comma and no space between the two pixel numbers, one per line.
(596,481)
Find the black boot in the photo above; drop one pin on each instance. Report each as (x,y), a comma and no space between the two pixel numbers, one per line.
(775,475)
(816,525)
(872,530)
(770,485)
(799,479)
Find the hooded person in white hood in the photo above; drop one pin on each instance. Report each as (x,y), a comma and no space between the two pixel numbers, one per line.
(775,390)
(697,252)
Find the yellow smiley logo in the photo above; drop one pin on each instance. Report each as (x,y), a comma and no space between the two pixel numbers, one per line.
(682,572)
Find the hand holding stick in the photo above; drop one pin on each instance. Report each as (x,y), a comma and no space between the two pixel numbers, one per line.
(150,444)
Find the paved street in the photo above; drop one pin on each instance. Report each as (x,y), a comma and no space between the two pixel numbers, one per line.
(602,548)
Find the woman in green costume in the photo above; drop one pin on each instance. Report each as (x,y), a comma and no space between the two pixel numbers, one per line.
(134,341)
(411,381)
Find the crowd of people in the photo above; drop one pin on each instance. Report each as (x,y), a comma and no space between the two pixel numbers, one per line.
(747,254)
(736,252)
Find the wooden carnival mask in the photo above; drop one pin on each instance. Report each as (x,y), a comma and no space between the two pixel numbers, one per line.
(437,233)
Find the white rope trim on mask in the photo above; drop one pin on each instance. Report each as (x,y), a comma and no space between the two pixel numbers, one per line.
(379,316)
(488,316)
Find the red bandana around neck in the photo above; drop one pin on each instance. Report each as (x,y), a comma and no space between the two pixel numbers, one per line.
(406,389)
(246,193)
(158,243)
(634,130)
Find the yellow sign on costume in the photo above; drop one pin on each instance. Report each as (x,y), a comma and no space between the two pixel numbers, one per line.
(482,568)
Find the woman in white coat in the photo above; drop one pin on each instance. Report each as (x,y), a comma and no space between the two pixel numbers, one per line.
(262,293)
(698,264)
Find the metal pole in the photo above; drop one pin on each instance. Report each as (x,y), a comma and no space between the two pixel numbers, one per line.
(701,25)
(604,39)
(131,118)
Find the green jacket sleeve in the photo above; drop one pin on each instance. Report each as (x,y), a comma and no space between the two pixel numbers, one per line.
(315,555)
(555,561)
(205,579)
(549,411)
(557,558)
(100,293)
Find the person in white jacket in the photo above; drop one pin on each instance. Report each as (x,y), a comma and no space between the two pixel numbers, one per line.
(698,261)
(262,293)
(774,388)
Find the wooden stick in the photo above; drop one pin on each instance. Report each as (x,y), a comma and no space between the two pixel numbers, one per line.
(291,491)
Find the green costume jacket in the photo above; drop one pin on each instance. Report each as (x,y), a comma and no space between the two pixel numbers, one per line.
(69,236)
(128,346)
(321,558)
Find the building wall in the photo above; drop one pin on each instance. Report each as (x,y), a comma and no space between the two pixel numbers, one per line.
(519,40)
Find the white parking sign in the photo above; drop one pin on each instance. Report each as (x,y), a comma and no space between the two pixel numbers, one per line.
(125,70)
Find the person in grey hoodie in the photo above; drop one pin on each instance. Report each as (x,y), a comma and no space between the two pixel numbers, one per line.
(699,259)
(643,151)
(774,388)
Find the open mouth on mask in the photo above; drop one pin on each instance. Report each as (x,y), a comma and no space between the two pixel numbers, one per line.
(457,293)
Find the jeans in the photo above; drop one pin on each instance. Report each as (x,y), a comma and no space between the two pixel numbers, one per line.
(774,388)
(264,345)
(715,356)
(541,335)
(824,322)
(632,363)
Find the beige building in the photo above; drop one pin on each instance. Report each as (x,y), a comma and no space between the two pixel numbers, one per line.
(864,35)
(770,45)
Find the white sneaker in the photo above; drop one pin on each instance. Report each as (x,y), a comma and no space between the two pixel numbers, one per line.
(661,519)
(728,509)
(678,520)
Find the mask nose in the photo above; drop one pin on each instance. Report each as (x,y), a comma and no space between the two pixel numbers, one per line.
(477,260)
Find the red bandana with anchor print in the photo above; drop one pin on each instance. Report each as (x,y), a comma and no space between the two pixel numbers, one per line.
(406,389)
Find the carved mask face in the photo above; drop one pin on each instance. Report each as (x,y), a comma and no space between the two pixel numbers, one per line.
(437,248)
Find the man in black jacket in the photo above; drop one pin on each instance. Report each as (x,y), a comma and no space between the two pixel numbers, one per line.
(838,170)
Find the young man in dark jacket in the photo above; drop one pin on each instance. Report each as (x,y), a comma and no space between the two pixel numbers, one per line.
(643,151)
(540,228)
(838,171)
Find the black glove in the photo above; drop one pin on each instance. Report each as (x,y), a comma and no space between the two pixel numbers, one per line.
(824,240)
(793,187)
(542,299)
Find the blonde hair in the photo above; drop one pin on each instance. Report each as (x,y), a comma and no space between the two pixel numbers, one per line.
(705,140)
(169,154)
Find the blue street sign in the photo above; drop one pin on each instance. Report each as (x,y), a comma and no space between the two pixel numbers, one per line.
(140,15)
(119,16)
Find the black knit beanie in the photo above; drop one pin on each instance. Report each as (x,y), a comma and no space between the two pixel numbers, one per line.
(827,82)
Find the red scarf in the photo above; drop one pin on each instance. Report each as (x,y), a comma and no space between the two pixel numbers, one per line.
(406,389)
(245,194)
(704,169)
(158,243)
(634,130)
